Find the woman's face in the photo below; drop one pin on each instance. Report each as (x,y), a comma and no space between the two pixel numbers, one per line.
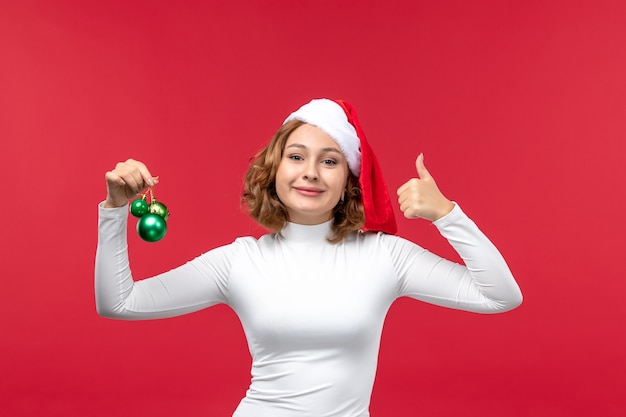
(312,175)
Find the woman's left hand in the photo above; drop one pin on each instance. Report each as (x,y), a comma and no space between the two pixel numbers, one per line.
(420,197)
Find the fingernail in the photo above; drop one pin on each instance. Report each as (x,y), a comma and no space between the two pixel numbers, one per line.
(150,182)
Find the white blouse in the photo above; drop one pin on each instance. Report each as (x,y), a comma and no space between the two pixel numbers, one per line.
(312,311)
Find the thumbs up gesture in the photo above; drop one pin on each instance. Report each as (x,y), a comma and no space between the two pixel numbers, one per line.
(420,197)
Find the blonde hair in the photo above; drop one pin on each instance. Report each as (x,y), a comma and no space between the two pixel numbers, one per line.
(263,205)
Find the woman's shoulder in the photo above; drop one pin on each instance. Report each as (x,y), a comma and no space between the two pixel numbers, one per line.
(370,237)
(241,246)
(264,240)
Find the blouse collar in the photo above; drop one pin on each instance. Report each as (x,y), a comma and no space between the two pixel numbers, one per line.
(304,233)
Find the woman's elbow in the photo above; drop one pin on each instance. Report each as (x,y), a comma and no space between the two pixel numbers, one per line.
(108,311)
(514,300)
(105,311)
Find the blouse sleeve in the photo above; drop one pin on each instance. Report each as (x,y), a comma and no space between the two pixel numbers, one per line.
(483,285)
(193,286)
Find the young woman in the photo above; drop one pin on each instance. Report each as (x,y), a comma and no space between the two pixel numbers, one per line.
(312,295)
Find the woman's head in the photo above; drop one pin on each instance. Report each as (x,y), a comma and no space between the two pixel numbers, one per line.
(365,204)
(302,176)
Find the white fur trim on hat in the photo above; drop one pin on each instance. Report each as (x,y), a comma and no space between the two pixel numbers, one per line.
(330,118)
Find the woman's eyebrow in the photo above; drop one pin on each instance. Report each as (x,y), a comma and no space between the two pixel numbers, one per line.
(329,149)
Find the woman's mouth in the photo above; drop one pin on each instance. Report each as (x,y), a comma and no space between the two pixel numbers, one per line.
(308,191)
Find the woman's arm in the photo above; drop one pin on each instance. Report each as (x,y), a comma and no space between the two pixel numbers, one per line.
(188,288)
(484,284)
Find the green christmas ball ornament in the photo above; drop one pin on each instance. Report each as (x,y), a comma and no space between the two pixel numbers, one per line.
(158,208)
(139,207)
(152,215)
(151,227)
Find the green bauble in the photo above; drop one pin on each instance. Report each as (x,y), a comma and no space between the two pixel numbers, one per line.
(139,207)
(159,208)
(151,227)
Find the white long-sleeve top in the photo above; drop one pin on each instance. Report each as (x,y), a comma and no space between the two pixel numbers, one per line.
(312,311)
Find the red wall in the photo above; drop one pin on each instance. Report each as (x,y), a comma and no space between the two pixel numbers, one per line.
(519,107)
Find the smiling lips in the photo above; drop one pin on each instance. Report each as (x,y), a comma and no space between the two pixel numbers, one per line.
(309,191)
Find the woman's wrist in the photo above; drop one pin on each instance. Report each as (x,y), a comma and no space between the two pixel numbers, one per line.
(110,203)
(446,209)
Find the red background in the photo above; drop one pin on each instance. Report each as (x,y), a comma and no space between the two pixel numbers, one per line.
(518,106)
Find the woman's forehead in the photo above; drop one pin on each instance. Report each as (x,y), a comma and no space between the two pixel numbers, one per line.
(310,136)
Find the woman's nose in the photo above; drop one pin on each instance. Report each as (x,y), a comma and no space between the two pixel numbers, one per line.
(310,171)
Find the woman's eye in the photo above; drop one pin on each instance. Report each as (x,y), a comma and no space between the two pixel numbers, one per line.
(295,157)
(329,162)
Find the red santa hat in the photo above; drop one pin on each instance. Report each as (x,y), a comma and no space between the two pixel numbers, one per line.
(337,119)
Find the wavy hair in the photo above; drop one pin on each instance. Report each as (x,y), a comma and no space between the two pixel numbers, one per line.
(261,200)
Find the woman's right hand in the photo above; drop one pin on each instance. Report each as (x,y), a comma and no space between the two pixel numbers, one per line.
(126,181)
